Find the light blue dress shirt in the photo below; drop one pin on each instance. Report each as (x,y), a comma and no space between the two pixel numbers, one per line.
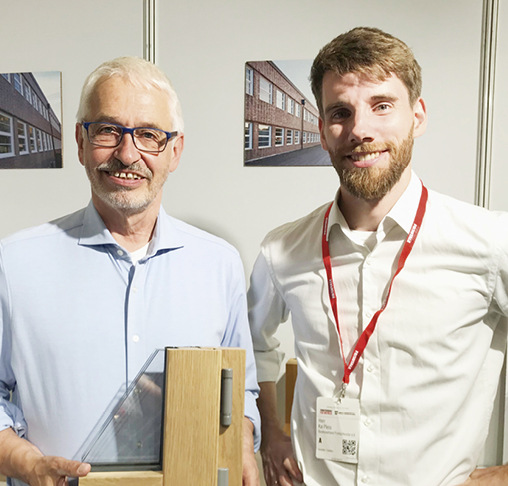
(78,319)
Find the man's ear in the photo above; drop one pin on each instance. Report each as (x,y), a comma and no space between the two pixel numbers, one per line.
(420,117)
(80,141)
(176,152)
(321,134)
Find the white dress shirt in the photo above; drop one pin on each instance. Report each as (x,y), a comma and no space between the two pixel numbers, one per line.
(428,377)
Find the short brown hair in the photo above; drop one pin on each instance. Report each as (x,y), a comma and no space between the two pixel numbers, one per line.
(370,52)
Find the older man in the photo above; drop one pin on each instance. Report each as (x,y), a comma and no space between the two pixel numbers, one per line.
(397,294)
(85,299)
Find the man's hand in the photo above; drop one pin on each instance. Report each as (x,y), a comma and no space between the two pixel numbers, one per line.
(53,471)
(22,460)
(279,464)
(489,476)
(250,474)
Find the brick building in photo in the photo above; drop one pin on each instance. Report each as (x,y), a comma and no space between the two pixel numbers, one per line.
(30,131)
(278,117)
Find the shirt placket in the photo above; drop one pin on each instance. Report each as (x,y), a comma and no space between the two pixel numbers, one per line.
(135,335)
(367,472)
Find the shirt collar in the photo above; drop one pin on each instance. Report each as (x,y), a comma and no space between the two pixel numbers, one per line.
(94,232)
(402,213)
(335,216)
(166,236)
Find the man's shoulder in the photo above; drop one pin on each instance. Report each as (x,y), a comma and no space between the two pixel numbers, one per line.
(191,235)
(298,230)
(454,222)
(51,229)
(459,210)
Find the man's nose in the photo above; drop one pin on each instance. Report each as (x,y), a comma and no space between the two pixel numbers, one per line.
(361,129)
(126,152)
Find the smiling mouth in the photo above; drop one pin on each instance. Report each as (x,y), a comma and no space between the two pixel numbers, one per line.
(362,157)
(126,175)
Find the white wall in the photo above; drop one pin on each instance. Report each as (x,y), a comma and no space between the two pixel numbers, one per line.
(71,37)
(203,45)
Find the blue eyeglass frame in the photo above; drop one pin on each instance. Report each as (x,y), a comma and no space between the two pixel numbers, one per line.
(169,135)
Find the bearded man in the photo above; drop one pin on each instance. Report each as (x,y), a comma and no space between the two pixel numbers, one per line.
(397,297)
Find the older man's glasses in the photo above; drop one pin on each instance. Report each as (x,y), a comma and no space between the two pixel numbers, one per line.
(152,140)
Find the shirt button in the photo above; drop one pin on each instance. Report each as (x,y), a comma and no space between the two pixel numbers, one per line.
(365,479)
(134,289)
(119,252)
(135,338)
(370,368)
(367,422)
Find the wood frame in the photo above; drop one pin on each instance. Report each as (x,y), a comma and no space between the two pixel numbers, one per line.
(291,374)
(195,444)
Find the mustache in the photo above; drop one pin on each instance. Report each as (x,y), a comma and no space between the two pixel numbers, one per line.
(362,148)
(372,147)
(116,166)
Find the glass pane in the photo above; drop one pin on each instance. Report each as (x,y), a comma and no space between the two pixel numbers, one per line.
(17,82)
(5,124)
(129,434)
(264,134)
(5,144)
(31,131)
(248,136)
(39,140)
(279,136)
(22,143)
(265,90)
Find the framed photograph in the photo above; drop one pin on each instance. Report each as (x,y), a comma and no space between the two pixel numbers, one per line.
(281,119)
(30,120)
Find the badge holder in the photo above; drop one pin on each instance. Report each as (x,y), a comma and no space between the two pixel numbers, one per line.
(337,429)
(179,422)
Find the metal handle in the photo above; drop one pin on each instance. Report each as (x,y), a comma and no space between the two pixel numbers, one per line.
(226,397)
(223,477)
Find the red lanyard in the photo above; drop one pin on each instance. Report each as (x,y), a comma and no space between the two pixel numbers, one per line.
(367,333)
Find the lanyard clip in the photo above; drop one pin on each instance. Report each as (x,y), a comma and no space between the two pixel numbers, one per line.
(342,393)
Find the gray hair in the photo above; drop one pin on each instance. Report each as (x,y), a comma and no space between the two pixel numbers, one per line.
(139,73)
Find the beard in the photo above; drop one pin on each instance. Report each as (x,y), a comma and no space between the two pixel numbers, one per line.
(124,198)
(373,183)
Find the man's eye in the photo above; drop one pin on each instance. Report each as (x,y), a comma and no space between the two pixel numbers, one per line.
(107,130)
(340,114)
(383,107)
(146,134)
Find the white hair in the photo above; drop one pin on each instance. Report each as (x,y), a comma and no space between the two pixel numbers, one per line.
(139,73)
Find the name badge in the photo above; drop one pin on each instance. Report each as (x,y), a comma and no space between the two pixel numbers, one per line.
(337,429)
